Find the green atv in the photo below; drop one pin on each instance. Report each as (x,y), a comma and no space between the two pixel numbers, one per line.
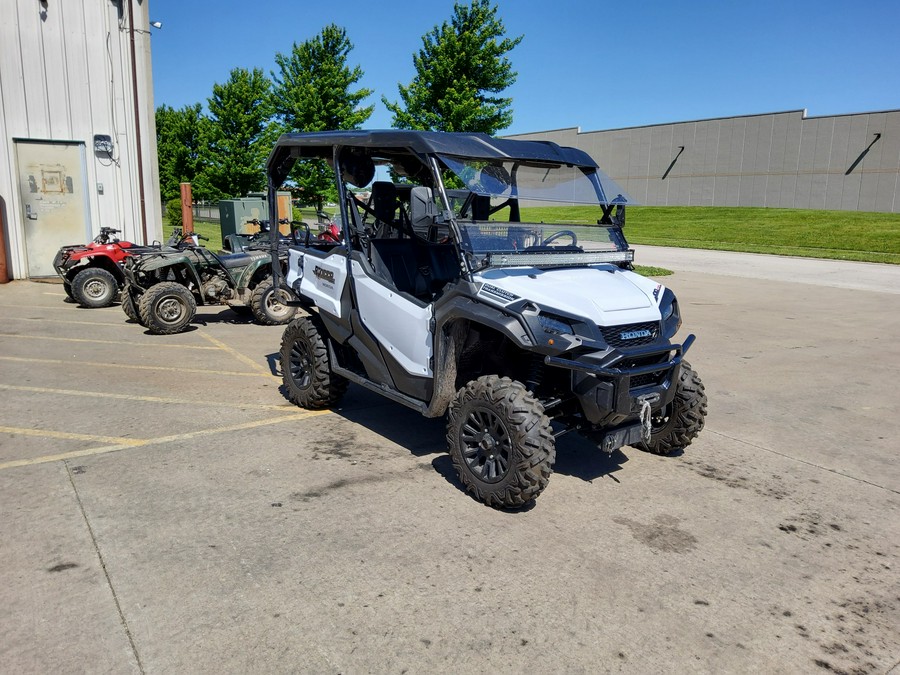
(162,290)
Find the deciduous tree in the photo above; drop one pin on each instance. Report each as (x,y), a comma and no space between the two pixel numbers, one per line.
(179,147)
(238,136)
(315,90)
(460,72)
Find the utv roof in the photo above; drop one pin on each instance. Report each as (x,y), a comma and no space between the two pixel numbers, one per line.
(289,147)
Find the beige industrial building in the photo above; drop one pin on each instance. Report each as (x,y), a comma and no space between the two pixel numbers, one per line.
(77,130)
(785,159)
(78,141)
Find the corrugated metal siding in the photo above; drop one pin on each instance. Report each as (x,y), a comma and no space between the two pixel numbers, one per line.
(65,75)
(783,159)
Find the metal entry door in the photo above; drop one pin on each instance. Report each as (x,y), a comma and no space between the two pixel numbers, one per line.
(54,200)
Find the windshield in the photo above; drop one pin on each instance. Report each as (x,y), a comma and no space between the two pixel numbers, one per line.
(524,211)
(533,181)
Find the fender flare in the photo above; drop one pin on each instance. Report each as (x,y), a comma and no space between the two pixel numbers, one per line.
(452,323)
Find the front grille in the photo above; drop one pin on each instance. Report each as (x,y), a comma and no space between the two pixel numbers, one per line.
(647,379)
(631,334)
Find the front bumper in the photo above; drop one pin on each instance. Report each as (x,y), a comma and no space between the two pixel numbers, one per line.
(612,387)
(61,262)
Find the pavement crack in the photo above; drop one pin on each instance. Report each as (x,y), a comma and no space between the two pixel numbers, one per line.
(109,583)
(804,461)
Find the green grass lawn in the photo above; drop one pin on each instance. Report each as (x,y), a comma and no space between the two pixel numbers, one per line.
(210,230)
(213,231)
(843,235)
(840,235)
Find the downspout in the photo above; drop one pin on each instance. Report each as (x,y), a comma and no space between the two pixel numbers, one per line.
(137,122)
(4,271)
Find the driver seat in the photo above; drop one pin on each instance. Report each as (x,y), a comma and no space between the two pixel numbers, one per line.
(384,204)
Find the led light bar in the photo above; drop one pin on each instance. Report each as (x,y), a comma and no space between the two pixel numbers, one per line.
(557,259)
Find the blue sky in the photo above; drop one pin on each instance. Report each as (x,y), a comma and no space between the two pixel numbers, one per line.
(587,63)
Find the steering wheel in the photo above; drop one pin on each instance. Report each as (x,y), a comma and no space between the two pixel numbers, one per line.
(561,233)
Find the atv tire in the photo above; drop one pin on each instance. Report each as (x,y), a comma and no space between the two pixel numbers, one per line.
(305,366)
(676,425)
(130,307)
(268,305)
(167,308)
(94,287)
(67,287)
(500,442)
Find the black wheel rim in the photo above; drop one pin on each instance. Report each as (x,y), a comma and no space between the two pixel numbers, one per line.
(301,364)
(486,445)
(660,419)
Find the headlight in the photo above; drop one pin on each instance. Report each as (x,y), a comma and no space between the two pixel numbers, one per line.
(555,325)
(670,310)
(670,314)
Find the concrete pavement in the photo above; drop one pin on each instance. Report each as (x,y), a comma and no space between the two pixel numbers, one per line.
(165,509)
(832,273)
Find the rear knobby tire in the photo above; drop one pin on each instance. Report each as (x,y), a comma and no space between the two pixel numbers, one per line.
(167,308)
(500,442)
(94,287)
(129,306)
(678,424)
(306,368)
(268,305)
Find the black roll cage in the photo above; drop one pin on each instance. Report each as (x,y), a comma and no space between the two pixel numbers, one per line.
(424,145)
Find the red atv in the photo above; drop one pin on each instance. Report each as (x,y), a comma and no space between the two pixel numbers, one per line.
(92,274)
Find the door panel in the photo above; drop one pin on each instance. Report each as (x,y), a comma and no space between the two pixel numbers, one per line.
(402,327)
(54,200)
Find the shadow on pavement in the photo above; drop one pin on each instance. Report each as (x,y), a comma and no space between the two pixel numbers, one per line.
(575,456)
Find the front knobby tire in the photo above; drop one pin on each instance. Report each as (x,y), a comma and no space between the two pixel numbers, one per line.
(167,308)
(94,287)
(306,368)
(500,442)
(675,426)
(268,305)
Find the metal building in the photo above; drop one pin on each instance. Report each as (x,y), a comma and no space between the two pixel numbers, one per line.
(77,129)
(786,159)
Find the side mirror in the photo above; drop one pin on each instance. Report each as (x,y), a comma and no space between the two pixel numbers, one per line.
(421,210)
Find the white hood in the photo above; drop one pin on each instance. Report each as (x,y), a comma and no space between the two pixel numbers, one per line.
(604,294)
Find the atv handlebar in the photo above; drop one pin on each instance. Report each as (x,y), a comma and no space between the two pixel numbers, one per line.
(104,236)
(180,239)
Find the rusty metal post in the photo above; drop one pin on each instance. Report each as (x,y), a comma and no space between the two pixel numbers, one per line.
(4,271)
(187,208)
(285,212)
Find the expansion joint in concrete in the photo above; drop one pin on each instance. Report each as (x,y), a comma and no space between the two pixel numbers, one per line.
(109,583)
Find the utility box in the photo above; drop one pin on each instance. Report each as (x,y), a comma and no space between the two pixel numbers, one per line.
(235,214)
